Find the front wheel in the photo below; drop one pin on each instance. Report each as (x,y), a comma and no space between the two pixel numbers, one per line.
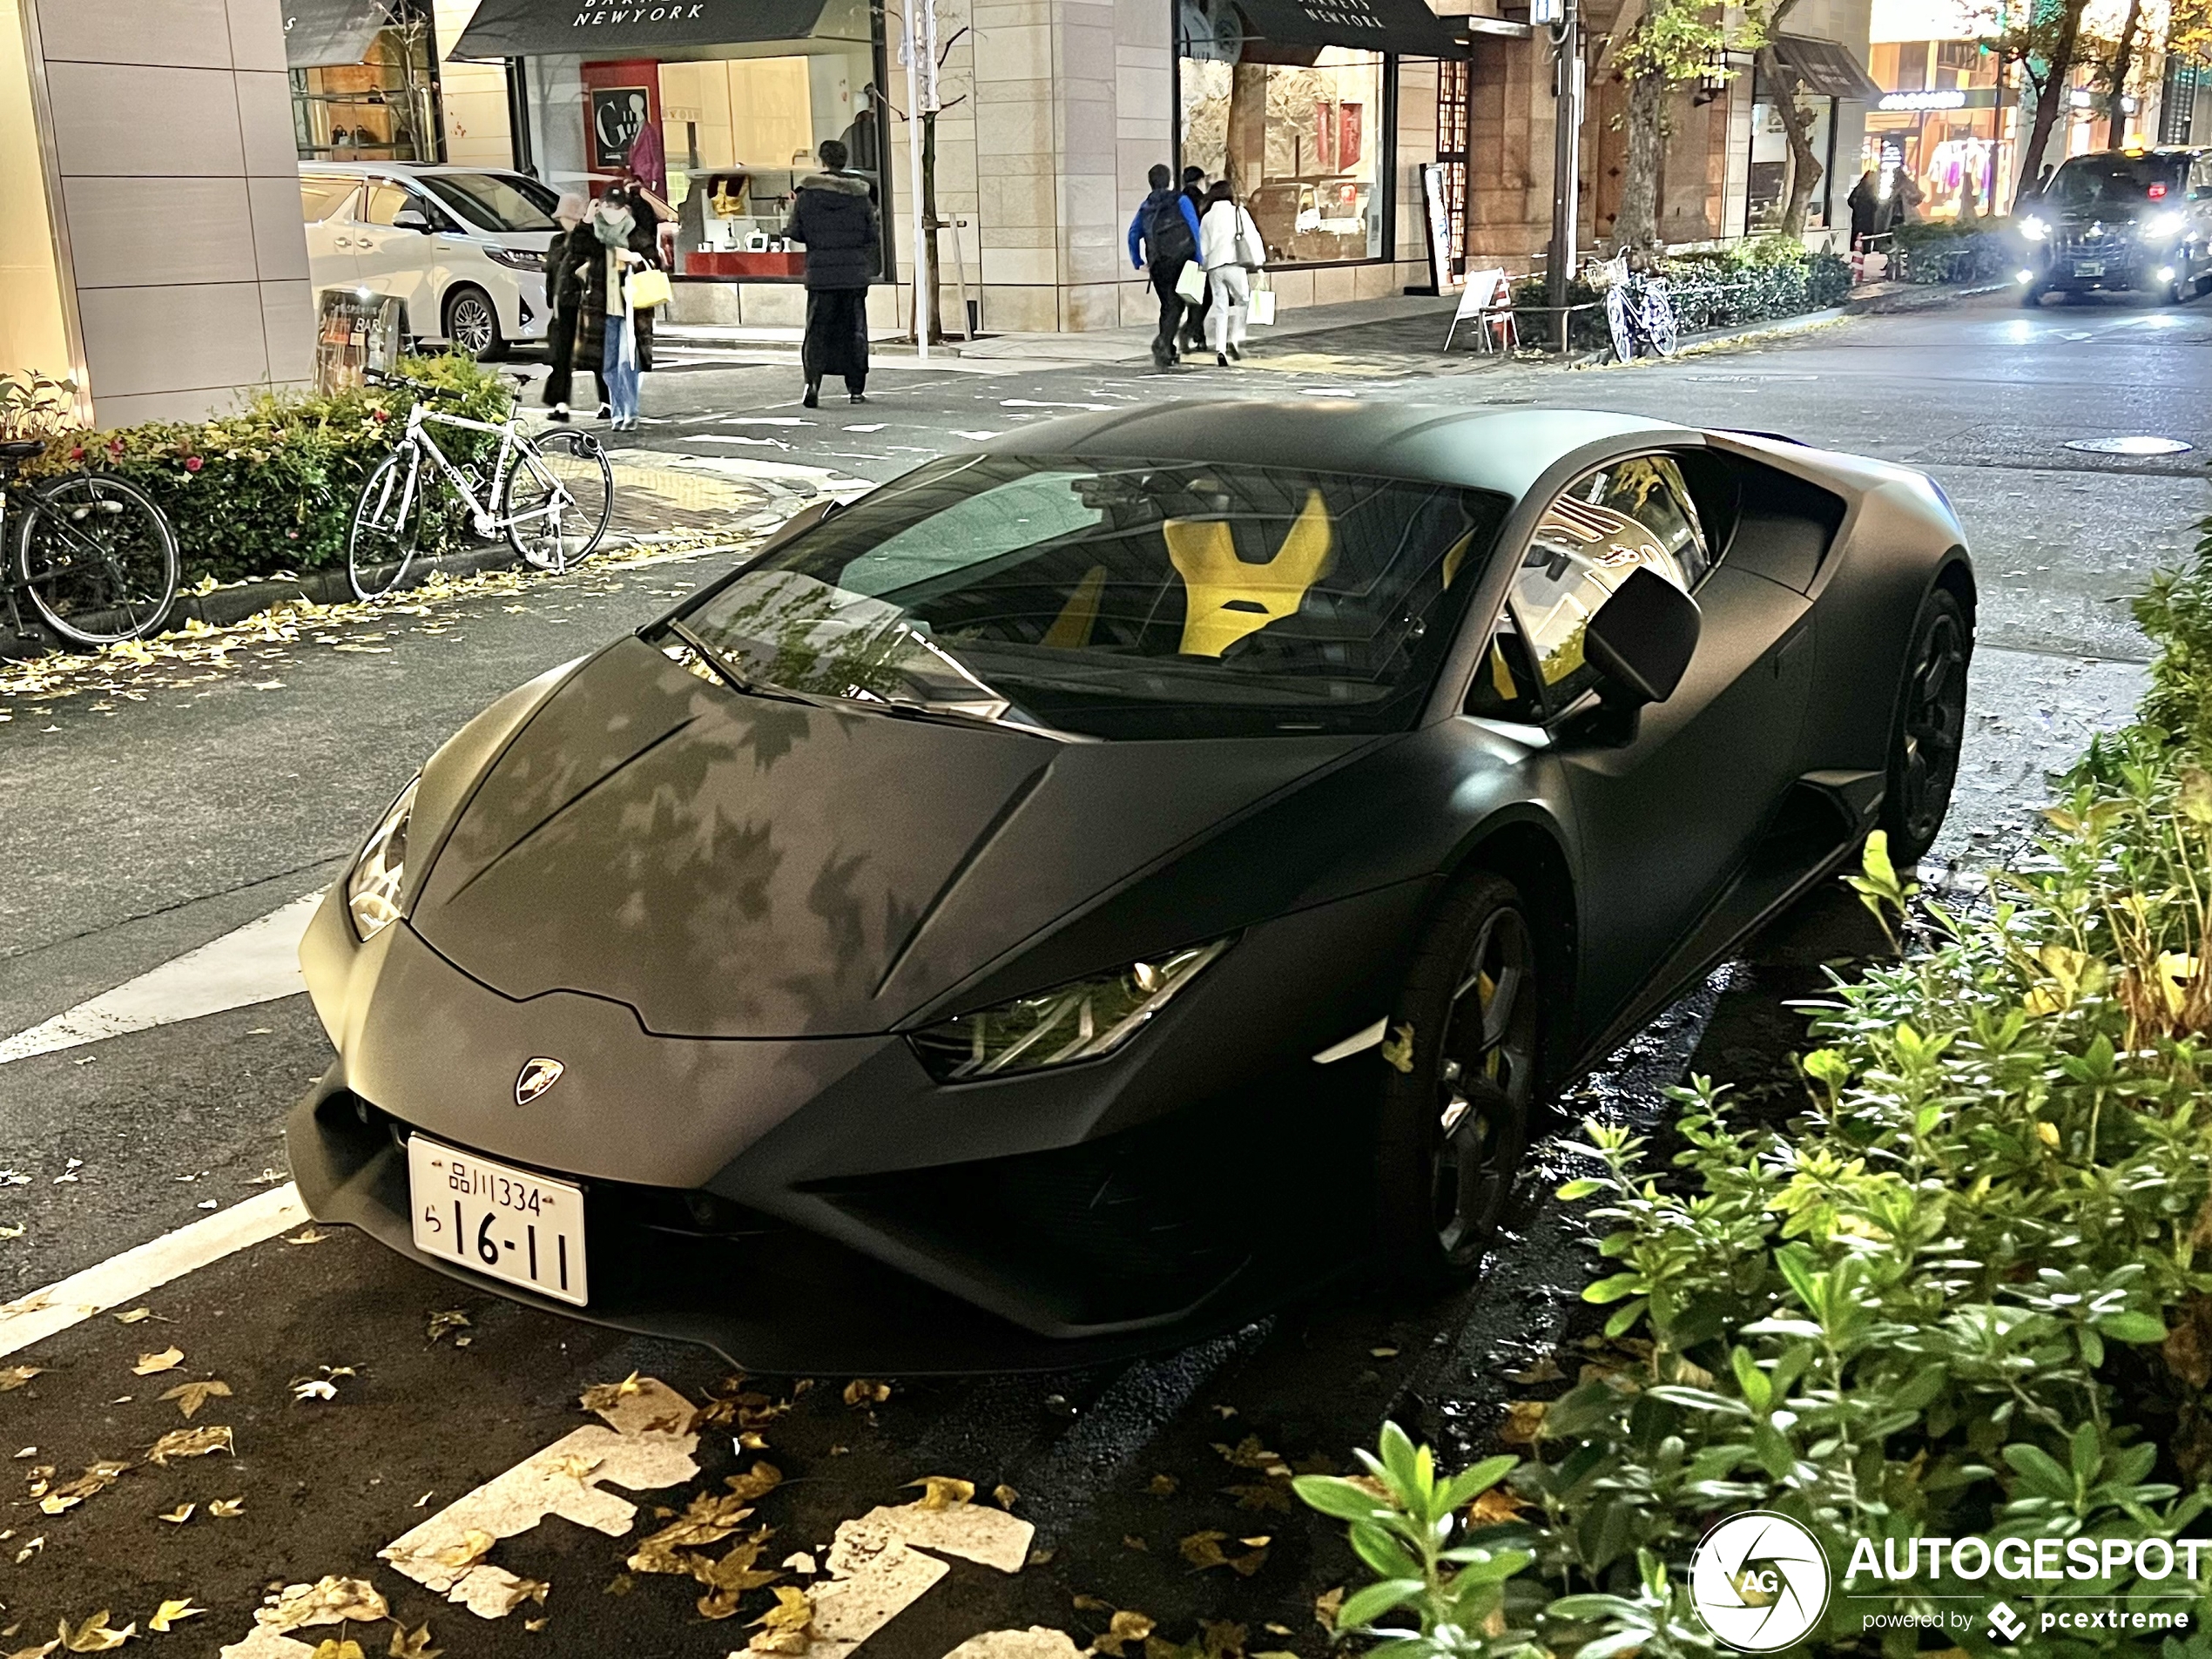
(98,559)
(558,498)
(1616,322)
(388,528)
(2032,297)
(1462,1050)
(472,325)
(1659,324)
(1930,724)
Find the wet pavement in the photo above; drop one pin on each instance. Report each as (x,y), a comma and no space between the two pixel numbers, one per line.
(142,827)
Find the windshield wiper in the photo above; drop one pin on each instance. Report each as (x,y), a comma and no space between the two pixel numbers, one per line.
(734,677)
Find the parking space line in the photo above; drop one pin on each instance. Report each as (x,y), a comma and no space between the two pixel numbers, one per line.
(131,1275)
(259,962)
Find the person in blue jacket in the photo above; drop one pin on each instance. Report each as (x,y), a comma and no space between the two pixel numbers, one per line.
(1164,236)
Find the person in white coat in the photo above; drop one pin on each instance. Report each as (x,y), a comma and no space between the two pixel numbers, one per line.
(1230,249)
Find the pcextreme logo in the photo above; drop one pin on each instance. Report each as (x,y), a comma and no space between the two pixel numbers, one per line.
(1760,1581)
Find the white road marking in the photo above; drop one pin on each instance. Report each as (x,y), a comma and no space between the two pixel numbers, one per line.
(130,1276)
(877,1572)
(733,438)
(1032,404)
(256,963)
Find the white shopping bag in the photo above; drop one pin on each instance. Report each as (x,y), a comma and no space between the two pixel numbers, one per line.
(1262,306)
(1191,286)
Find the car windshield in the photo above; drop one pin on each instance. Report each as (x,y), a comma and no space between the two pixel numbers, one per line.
(2088,182)
(487,201)
(1124,600)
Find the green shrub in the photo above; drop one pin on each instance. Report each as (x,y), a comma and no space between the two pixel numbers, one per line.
(1969,1292)
(272,487)
(1757,280)
(1949,250)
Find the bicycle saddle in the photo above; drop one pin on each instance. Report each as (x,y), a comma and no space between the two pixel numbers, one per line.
(21,449)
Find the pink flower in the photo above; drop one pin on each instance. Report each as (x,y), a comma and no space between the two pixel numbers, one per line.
(193,464)
(77,453)
(379,415)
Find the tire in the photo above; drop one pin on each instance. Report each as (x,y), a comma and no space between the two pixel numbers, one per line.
(1616,322)
(1927,728)
(472,325)
(98,559)
(386,530)
(1453,1127)
(1659,324)
(575,463)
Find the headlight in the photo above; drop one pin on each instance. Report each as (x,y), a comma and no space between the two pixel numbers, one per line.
(2162,225)
(2035,229)
(373,886)
(1081,1021)
(516,258)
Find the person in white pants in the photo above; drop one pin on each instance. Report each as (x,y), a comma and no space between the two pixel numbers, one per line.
(1230,249)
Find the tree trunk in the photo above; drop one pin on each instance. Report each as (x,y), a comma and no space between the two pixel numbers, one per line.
(2123,61)
(1804,165)
(1244,161)
(1636,225)
(2049,100)
(929,224)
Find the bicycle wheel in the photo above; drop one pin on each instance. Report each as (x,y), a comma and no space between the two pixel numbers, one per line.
(98,559)
(558,500)
(1616,320)
(386,530)
(1659,321)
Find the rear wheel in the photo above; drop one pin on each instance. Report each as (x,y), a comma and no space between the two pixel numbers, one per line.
(1616,322)
(1659,324)
(98,559)
(1463,1049)
(558,500)
(1931,723)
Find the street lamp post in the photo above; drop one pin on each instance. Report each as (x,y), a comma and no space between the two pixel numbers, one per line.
(1564,17)
(919,50)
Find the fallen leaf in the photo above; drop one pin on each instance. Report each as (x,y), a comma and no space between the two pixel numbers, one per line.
(314,1388)
(535,1625)
(604,1397)
(191,1396)
(1221,1639)
(96,1477)
(190,1442)
(176,1517)
(332,1648)
(446,1323)
(94,1636)
(329,1600)
(1130,1541)
(1248,1454)
(750,1441)
(1493,1507)
(1005,1496)
(943,1490)
(1275,1629)
(1092,1604)
(1524,1422)
(863,1391)
(14,1377)
(620,1584)
(784,1628)
(728,1579)
(755,1483)
(224,1508)
(1163,1486)
(173,1613)
(527,1589)
(1325,1606)
(16,1231)
(38,1652)
(1224,1412)
(411,1644)
(135,1316)
(167,1360)
(29,1550)
(1125,1627)
(474,1545)
(1384,1354)
(310,1236)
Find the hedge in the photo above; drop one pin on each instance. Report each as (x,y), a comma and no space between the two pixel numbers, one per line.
(1949,250)
(272,487)
(1965,1292)
(1751,281)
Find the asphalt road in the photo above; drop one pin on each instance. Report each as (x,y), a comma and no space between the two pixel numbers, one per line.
(183,801)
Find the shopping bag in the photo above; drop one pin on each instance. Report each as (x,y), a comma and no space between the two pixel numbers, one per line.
(647,289)
(1252,251)
(1191,286)
(1262,306)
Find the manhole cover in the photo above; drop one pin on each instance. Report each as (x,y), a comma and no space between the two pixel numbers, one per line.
(2135,446)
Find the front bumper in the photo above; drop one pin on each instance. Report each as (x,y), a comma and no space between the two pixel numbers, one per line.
(820,1205)
(2113,264)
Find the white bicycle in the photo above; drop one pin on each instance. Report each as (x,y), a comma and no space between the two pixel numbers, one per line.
(550,496)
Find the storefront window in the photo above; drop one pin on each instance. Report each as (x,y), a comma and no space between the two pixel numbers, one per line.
(1943,121)
(383,107)
(1770,160)
(1303,145)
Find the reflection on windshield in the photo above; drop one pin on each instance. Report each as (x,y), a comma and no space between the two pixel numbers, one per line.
(2090,182)
(488,202)
(1120,599)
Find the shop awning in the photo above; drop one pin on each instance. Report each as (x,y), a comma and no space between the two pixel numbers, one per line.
(1826,68)
(526,28)
(1405,26)
(321,34)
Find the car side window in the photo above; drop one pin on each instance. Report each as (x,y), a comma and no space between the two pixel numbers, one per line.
(1626,517)
(384,203)
(321,199)
(1505,685)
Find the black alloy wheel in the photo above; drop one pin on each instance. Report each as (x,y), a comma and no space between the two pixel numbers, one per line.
(472,325)
(1463,1052)
(1930,724)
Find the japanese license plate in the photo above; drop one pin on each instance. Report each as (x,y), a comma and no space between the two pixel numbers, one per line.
(2088,267)
(501,1221)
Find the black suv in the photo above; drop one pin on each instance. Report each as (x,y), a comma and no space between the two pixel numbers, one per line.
(2120,218)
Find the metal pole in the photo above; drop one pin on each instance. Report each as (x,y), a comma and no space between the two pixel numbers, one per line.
(1567,134)
(912,51)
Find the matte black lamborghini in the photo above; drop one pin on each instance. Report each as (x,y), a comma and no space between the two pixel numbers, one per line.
(1092,887)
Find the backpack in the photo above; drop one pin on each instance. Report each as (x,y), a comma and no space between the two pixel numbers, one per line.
(1167,234)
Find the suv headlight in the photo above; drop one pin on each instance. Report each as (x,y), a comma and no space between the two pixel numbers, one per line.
(372,884)
(515,259)
(1082,1019)
(2035,229)
(2159,227)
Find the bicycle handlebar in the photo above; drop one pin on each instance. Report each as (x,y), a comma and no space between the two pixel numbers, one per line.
(429,388)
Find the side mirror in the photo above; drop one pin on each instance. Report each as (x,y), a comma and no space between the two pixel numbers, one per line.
(1641,639)
(411,218)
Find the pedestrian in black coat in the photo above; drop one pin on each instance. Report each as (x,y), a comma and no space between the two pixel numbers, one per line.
(833,216)
(563,299)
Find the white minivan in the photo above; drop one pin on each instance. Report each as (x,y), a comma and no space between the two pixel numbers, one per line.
(463,248)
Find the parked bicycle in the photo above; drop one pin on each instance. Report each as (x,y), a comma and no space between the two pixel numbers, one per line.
(1638,311)
(551,496)
(96,557)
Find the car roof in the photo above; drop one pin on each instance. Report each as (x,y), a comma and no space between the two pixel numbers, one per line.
(393,169)
(1503,450)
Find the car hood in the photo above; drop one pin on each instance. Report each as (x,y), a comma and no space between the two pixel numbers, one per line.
(739,867)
